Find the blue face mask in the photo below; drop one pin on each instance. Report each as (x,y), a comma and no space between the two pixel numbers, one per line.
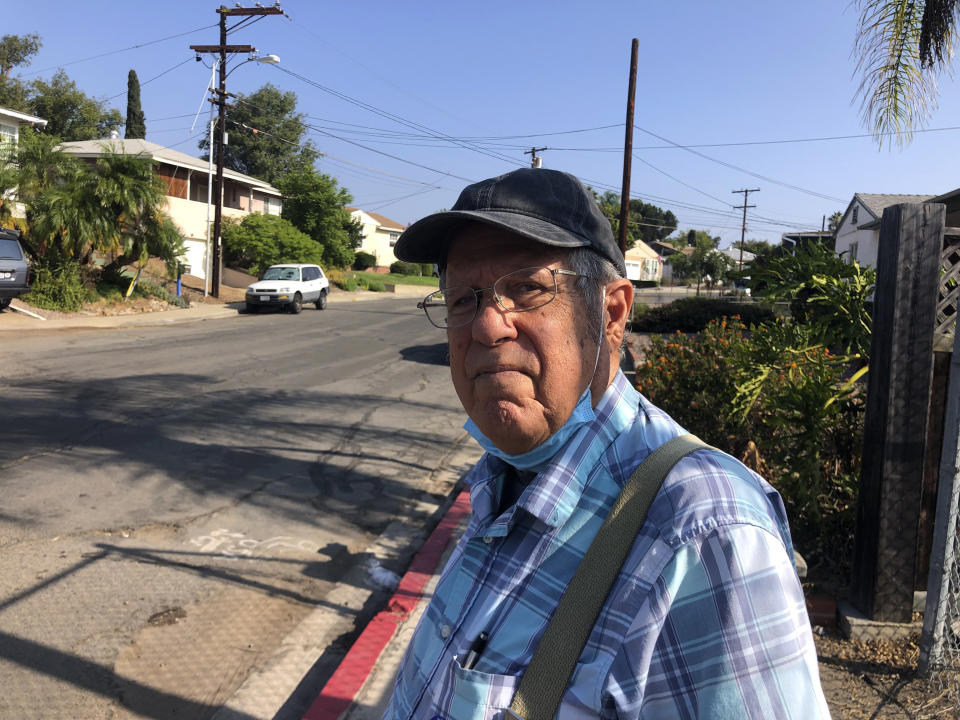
(537,457)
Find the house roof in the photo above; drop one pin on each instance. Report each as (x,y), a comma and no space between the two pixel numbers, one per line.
(641,251)
(22,117)
(96,148)
(734,254)
(663,248)
(875,203)
(381,220)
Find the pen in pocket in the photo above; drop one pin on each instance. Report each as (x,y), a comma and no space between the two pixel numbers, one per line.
(476,649)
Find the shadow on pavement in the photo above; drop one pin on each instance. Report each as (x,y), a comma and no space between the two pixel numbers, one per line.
(95,678)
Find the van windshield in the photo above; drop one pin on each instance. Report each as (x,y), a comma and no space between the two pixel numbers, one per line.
(10,250)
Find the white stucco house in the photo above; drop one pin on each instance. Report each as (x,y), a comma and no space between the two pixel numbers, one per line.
(380,234)
(186,178)
(858,233)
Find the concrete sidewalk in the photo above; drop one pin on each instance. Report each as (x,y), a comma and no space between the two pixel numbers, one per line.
(12,320)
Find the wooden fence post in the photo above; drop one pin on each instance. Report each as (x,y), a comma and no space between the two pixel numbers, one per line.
(898,407)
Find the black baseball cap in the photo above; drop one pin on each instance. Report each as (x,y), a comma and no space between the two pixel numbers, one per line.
(548,206)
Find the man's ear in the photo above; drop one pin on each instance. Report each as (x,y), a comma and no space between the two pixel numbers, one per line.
(619,305)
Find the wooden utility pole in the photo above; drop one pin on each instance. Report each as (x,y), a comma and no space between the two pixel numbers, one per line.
(628,147)
(219,136)
(534,160)
(743,227)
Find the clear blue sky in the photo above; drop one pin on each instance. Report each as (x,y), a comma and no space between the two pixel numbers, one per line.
(502,76)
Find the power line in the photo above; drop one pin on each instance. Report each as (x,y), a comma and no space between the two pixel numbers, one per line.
(370,149)
(115,52)
(398,119)
(145,82)
(743,170)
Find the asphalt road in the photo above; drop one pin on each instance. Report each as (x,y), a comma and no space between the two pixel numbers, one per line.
(175,500)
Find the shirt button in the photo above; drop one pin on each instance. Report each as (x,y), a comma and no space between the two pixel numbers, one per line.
(488,540)
(445,632)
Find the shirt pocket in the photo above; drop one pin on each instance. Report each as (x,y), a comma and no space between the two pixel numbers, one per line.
(473,695)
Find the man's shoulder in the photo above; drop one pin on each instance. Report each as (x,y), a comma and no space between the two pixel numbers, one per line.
(705,490)
(708,490)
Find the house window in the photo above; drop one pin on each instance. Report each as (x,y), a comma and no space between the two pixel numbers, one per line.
(393,238)
(8,136)
(853,216)
(853,251)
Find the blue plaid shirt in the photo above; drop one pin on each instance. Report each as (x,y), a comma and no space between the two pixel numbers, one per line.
(706,619)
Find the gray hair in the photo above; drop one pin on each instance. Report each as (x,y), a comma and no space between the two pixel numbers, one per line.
(596,272)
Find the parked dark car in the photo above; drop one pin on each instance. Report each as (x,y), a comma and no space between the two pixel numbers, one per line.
(14,271)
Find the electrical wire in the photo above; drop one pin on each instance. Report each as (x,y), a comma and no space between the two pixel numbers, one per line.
(146,82)
(374,150)
(115,52)
(814,193)
(398,119)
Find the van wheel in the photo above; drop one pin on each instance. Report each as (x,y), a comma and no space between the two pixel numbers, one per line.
(297,305)
(5,303)
(322,300)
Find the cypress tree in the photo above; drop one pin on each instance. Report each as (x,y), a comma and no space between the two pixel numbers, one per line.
(136,124)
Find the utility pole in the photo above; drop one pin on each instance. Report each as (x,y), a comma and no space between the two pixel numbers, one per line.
(216,148)
(743,228)
(534,160)
(628,147)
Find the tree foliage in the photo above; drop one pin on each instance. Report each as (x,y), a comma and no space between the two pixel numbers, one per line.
(705,263)
(136,126)
(646,222)
(16,51)
(315,205)
(69,112)
(267,136)
(259,241)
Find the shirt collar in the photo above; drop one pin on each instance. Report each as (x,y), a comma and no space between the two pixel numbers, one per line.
(554,493)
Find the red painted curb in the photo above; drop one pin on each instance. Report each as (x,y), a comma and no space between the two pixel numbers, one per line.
(354,669)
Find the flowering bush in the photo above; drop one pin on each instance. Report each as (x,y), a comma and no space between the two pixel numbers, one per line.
(784,404)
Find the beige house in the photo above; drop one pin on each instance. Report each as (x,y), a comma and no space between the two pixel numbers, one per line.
(643,263)
(380,234)
(186,178)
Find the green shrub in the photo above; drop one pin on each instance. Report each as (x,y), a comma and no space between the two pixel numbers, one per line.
(363,260)
(58,287)
(693,314)
(148,289)
(426,269)
(348,283)
(375,286)
(785,405)
(259,241)
(406,268)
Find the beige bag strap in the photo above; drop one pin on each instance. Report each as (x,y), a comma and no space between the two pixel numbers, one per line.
(545,679)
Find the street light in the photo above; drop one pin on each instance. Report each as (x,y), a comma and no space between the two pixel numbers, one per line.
(217,148)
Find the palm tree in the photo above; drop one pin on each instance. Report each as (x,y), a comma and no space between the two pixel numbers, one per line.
(901,46)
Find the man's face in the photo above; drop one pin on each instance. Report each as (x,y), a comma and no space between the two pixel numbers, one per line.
(518,375)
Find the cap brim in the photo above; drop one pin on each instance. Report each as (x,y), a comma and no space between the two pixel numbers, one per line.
(428,239)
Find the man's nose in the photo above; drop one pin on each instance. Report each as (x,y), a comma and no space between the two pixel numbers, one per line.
(492,324)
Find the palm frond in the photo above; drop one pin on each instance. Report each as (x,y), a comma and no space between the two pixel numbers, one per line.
(939,26)
(897,93)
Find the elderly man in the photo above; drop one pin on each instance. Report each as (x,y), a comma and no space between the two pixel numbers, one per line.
(706,618)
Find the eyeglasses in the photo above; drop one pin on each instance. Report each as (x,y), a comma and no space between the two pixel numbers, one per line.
(517,291)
